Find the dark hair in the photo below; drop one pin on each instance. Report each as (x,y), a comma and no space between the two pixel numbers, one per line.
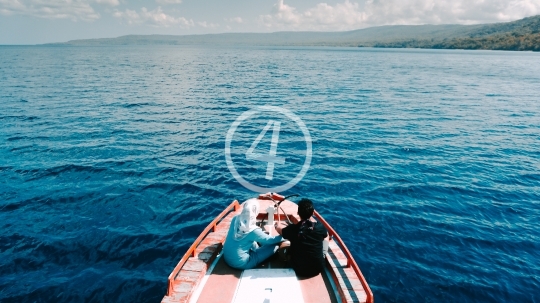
(305,209)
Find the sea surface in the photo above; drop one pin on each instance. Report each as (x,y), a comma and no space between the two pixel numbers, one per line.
(112,161)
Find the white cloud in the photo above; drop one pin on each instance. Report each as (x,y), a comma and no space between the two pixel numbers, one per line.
(207,24)
(353,15)
(52,9)
(108,2)
(234,20)
(165,2)
(9,7)
(154,17)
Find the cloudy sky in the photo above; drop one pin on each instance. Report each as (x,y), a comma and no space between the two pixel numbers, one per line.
(40,21)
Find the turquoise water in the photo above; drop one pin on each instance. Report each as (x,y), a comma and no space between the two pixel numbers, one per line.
(112,162)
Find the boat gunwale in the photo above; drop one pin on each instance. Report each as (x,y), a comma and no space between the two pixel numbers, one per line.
(234,206)
(333,235)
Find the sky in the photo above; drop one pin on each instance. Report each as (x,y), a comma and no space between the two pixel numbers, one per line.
(44,21)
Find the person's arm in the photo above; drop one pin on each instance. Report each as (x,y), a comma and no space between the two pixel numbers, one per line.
(261,237)
(279,228)
(287,231)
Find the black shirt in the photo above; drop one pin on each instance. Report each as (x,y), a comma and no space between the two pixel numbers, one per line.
(306,250)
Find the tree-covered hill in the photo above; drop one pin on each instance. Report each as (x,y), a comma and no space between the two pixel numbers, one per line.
(521,35)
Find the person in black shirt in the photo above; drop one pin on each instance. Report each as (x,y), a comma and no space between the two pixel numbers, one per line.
(306,237)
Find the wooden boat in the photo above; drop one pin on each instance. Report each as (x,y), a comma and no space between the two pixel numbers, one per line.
(203,276)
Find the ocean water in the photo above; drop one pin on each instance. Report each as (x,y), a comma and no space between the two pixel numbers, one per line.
(112,161)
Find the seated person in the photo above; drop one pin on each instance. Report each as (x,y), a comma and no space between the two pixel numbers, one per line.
(241,250)
(306,237)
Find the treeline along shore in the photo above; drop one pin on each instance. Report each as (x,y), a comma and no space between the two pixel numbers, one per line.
(520,35)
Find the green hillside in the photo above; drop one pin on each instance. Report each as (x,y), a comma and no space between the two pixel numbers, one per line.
(521,35)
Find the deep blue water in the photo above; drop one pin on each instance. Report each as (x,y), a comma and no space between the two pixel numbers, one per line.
(427,162)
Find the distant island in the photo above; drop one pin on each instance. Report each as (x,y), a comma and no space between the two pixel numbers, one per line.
(520,35)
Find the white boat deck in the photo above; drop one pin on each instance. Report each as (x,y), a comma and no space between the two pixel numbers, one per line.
(277,285)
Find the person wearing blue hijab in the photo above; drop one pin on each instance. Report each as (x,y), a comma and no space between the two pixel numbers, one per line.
(241,250)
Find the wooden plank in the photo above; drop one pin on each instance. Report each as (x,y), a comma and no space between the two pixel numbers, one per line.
(194,264)
(189,276)
(233,207)
(169,299)
(349,284)
(334,252)
(173,299)
(216,237)
(189,272)
(226,222)
(336,264)
(209,252)
(209,246)
(184,287)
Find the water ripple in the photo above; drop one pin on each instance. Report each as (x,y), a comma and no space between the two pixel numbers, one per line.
(425,162)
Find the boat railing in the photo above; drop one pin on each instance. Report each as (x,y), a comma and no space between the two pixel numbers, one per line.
(234,206)
(350,260)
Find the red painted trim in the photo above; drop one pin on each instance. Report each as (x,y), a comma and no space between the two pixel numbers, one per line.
(276,197)
(350,260)
(234,206)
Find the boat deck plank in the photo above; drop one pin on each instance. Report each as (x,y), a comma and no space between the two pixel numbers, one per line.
(221,284)
(350,287)
(317,289)
(195,267)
